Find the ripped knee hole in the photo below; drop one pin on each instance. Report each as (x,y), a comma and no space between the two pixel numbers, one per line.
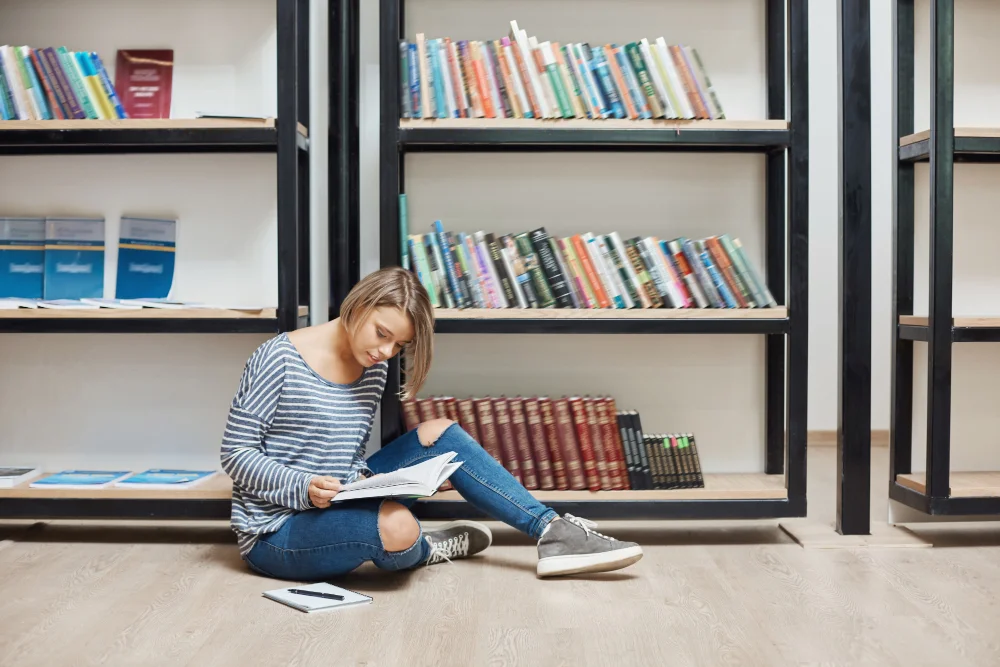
(429,432)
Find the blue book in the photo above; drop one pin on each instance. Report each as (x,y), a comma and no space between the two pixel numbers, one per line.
(80,479)
(74,258)
(147,251)
(22,257)
(160,478)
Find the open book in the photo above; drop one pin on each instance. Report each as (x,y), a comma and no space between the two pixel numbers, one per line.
(419,480)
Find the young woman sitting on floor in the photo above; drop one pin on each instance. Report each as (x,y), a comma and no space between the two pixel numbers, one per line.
(297,430)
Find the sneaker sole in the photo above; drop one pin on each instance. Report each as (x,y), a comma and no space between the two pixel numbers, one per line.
(472,526)
(605,561)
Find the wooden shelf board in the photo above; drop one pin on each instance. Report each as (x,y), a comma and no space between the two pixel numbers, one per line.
(737,486)
(144,314)
(143,124)
(218,487)
(612,314)
(582,123)
(972,322)
(963,484)
(720,486)
(960,132)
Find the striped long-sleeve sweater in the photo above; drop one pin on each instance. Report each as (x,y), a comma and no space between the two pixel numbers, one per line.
(287,424)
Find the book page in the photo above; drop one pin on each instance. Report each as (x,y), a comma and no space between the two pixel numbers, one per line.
(423,473)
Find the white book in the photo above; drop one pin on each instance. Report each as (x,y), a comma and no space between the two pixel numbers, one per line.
(11,476)
(67,304)
(419,480)
(317,597)
(116,304)
(15,302)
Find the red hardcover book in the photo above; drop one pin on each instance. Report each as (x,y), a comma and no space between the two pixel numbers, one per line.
(597,441)
(144,81)
(487,428)
(425,409)
(612,446)
(411,416)
(505,431)
(538,444)
(582,426)
(555,448)
(450,408)
(570,447)
(523,441)
(467,418)
(440,411)
(617,446)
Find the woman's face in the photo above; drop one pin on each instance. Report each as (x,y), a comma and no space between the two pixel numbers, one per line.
(381,336)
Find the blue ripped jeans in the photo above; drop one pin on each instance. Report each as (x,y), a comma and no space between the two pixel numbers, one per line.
(318,544)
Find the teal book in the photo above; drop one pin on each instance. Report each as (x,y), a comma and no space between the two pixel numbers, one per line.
(74,258)
(160,478)
(22,257)
(80,479)
(404,233)
(147,251)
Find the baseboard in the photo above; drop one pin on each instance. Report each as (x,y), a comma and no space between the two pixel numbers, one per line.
(880,438)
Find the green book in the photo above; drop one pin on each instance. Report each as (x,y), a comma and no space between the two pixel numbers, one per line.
(403,233)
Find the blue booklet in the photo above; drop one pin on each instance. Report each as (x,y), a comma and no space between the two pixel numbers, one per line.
(22,257)
(74,258)
(159,478)
(80,479)
(147,250)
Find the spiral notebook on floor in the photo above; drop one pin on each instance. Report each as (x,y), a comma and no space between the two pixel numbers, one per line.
(419,480)
(317,597)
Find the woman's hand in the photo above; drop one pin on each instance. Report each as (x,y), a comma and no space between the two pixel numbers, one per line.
(322,490)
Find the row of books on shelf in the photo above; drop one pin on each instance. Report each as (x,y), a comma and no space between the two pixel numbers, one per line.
(531,269)
(62,258)
(518,76)
(54,83)
(154,478)
(578,442)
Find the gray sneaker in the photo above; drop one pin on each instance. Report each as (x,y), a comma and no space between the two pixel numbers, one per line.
(458,539)
(572,546)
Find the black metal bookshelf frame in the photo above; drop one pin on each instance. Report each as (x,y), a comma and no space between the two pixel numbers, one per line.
(292,174)
(786,152)
(942,149)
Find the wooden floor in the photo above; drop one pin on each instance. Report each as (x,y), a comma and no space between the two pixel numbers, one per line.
(705,594)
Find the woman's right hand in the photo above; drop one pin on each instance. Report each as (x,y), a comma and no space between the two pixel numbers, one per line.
(322,490)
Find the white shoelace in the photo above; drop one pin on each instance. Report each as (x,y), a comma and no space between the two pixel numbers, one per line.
(453,547)
(587,525)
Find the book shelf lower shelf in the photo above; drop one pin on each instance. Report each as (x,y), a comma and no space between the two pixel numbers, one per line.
(970,493)
(963,484)
(737,495)
(153,135)
(574,320)
(146,320)
(964,329)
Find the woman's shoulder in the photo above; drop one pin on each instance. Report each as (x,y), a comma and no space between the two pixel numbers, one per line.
(271,350)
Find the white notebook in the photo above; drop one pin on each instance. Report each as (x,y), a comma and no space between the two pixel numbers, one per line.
(310,603)
(419,480)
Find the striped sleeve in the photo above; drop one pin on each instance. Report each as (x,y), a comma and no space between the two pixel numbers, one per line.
(243,456)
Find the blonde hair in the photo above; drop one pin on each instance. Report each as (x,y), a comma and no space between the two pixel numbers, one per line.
(395,287)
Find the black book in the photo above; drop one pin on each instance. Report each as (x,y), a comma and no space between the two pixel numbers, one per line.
(553,275)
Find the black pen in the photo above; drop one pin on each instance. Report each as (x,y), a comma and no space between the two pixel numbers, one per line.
(316,594)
